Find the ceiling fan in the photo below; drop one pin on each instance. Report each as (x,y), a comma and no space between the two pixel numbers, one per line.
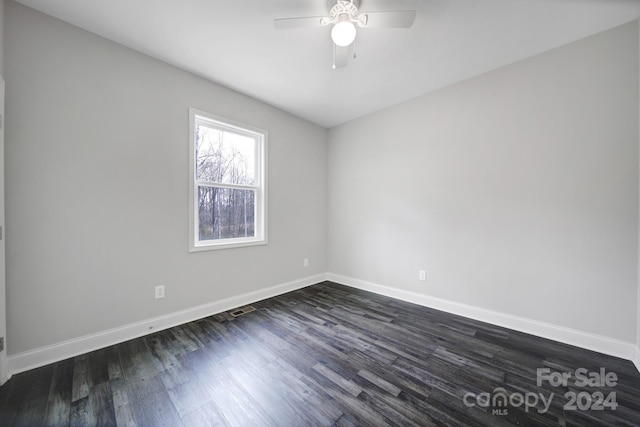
(344,16)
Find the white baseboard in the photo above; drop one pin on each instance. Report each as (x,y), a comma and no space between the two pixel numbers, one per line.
(601,344)
(53,353)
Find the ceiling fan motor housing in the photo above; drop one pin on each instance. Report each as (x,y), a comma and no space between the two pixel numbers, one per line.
(343,7)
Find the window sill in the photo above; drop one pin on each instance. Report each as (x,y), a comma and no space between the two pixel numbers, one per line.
(226,244)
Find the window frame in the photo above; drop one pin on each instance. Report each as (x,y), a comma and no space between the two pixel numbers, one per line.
(260,185)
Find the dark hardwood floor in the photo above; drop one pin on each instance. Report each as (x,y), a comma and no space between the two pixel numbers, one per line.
(328,355)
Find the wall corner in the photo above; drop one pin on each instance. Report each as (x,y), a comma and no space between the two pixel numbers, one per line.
(637,357)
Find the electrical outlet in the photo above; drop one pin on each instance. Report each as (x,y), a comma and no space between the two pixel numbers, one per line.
(160,291)
(306,262)
(422,275)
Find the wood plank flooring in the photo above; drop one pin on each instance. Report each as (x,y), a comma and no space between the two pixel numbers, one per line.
(325,355)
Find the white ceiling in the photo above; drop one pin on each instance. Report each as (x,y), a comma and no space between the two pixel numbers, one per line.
(234,43)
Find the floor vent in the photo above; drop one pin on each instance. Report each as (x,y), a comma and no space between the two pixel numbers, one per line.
(240,311)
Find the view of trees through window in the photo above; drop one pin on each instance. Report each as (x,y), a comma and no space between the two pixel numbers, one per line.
(225,175)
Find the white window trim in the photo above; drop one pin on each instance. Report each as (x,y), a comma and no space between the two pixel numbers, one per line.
(260,238)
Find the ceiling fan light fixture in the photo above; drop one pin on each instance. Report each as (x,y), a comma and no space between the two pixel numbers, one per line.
(343,33)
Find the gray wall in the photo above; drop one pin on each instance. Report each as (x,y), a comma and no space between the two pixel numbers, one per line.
(1,37)
(97,180)
(3,303)
(517,191)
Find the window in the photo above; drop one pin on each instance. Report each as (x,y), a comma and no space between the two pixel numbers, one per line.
(227,183)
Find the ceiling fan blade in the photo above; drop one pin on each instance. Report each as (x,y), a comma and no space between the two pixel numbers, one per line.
(289,23)
(342,55)
(391,19)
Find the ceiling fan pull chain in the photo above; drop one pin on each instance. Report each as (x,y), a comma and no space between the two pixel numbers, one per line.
(334,56)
